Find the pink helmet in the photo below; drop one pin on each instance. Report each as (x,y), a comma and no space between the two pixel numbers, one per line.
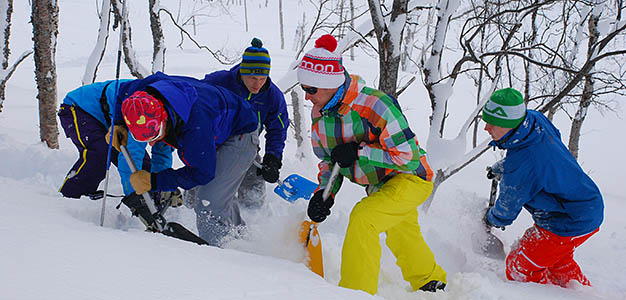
(145,116)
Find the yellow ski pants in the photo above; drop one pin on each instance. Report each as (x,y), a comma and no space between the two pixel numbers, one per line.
(393,210)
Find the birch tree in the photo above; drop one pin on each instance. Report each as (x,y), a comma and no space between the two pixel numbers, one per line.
(45,20)
(99,48)
(158,40)
(130,58)
(389,37)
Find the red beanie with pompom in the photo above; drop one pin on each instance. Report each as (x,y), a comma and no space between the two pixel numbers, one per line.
(321,67)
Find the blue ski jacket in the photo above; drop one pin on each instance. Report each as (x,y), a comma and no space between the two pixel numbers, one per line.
(269,105)
(201,118)
(541,175)
(87,97)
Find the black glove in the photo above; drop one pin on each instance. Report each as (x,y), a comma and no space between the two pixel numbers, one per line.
(493,174)
(318,208)
(270,169)
(345,154)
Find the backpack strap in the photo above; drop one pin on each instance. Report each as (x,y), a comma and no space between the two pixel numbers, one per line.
(104,105)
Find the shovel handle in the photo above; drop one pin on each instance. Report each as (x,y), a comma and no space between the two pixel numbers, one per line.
(260,166)
(493,193)
(331,180)
(146,195)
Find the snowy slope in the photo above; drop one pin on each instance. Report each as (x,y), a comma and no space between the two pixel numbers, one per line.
(54,248)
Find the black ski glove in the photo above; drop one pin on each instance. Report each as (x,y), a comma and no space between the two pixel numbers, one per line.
(345,154)
(318,208)
(270,169)
(495,171)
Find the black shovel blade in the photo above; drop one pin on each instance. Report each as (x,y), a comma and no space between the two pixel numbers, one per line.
(176,230)
(492,247)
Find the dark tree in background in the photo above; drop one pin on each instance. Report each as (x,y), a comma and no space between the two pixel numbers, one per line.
(388,37)
(45,20)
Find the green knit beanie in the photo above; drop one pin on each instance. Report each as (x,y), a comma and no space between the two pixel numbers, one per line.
(505,108)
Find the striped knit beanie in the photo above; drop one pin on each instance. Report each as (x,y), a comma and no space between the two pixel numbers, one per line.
(505,108)
(321,67)
(256,60)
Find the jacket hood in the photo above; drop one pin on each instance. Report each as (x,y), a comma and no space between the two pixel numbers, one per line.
(180,95)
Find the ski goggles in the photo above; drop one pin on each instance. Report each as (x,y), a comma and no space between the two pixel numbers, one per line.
(309,90)
(154,138)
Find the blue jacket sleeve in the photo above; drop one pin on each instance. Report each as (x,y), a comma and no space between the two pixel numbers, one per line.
(197,152)
(161,157)
(516,189)
(276,125)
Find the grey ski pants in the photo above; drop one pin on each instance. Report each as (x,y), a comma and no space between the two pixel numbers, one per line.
(217,211)
(251,193)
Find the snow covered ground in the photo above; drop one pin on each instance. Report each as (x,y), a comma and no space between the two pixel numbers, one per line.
(54,248)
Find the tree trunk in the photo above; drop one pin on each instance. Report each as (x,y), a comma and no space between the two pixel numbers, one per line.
(282,26)
(136,69)
(158,42)
(45,20)
(6,10)
(5,14)
(245,12)
(352,26)
(298,125)
(388,45)
(585,99)
(98,50)
(297,117)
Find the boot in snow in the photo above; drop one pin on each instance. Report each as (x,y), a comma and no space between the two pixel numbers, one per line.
(433,286)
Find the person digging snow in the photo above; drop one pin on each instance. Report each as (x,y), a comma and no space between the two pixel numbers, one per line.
(364,131)
(214,133)
(85,115)
(540,175)
(250,79)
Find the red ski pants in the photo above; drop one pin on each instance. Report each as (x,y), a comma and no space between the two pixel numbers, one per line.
(544,257)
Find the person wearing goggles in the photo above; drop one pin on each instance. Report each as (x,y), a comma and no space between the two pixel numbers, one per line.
(214,133)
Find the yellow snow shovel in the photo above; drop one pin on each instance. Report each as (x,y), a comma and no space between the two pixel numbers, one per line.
(310,237)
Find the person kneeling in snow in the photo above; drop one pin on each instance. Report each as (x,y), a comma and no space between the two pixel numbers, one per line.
(85,115)
(540,175)
(214,133)
(364,131)
(251,80)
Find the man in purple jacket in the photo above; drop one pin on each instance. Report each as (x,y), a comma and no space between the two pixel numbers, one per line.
(250,80)
(214,133)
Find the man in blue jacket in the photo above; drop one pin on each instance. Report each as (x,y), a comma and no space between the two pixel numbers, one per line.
(251,81)
(85,116)
(540,175)
(214,133)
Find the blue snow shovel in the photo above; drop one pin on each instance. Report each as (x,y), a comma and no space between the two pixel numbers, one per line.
(294,187)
